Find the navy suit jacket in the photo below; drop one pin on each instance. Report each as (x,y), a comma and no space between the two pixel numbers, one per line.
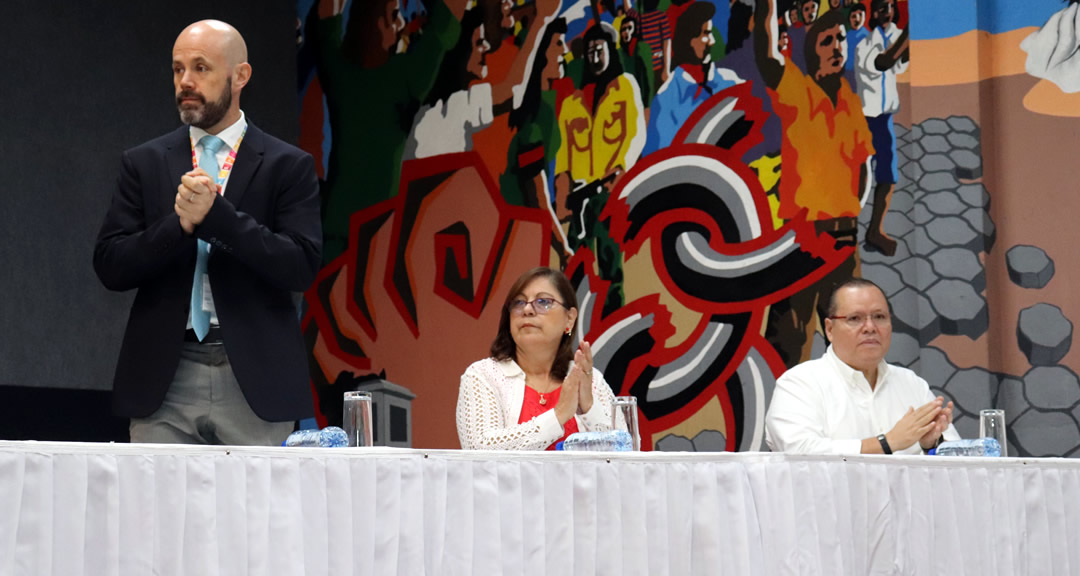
(266,240)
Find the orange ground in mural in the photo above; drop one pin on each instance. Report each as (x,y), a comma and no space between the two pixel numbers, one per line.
(966,58)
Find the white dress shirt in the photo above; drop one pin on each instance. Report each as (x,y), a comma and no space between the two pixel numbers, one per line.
(230,136)
(877,88)
(824,406)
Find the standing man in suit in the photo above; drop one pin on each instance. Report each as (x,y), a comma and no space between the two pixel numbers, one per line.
(216,224)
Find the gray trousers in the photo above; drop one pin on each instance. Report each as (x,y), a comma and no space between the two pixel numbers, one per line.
(204,405)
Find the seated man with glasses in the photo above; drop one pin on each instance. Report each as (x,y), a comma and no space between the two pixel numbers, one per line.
(851,401)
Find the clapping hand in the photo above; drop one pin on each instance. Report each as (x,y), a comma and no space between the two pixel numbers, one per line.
(567,405)
(576,396)
(941,423)
(583,363)
(194,197)
(915,425)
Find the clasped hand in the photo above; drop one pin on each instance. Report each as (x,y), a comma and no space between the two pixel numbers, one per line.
(923,425)
(576,396)
(194,197)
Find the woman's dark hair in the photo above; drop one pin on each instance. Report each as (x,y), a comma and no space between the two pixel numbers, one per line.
(530,102)
(738,29)
(504,348)
(453,74)
(687,28)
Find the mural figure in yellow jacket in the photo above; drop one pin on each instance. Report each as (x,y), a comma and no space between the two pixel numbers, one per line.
(602,129)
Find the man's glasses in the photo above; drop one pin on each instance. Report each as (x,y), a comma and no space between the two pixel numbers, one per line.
(880,319)
(541,305)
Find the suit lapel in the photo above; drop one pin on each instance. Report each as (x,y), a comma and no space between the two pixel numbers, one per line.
(248,159)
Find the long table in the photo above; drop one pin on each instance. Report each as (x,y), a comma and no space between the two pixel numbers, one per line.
(118,509)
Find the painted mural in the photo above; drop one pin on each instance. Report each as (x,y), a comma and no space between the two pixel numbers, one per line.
(704,171)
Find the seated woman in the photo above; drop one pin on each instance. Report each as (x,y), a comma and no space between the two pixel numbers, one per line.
(535,389)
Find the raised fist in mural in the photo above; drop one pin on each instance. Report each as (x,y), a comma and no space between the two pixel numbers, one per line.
(416,296)
(1054,50)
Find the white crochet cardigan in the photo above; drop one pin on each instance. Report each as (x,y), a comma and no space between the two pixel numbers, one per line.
(489,406)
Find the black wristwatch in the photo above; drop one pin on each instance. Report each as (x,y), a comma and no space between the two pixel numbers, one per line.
(884,443)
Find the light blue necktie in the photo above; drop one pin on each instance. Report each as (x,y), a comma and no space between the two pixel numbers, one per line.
(200,319)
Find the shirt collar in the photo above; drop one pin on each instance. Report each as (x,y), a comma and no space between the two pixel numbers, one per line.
(853,377)
(695,73)
(229,135)
(825,106)
(510,369)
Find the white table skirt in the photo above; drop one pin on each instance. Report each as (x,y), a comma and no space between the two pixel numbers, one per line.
(117,509)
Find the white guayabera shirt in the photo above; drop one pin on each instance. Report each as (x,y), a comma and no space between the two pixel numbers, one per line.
(824,406)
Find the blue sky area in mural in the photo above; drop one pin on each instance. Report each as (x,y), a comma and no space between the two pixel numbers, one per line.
(932,19)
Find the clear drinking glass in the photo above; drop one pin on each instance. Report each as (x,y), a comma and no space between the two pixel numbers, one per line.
(992,425)
(624,417)
(356,418)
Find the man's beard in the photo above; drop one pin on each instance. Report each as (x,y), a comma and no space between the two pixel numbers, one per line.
(210,113)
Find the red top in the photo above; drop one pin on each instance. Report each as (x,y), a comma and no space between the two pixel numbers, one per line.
(531,408)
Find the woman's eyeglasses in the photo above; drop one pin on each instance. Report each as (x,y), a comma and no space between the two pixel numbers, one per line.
(540,305)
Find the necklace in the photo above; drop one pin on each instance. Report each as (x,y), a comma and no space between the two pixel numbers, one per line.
(546,384)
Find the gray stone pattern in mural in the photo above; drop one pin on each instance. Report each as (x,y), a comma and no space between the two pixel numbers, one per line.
(940,217)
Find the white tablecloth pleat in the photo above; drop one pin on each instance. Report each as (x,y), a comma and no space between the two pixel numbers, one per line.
(120,510)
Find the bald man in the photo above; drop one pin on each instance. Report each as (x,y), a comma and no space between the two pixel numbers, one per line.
(216,226)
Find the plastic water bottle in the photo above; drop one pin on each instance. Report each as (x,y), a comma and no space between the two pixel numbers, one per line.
(607,441)
(329,437)
(971,447)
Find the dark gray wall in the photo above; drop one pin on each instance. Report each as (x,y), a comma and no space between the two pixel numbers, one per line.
(82,81)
